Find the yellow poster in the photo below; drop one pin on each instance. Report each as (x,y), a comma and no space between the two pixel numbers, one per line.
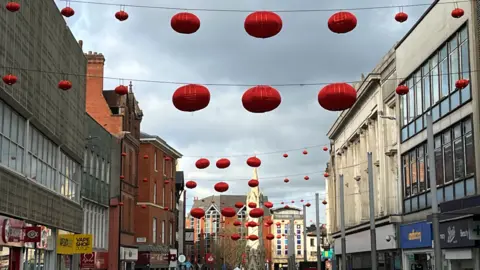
(65,244)
(82,243)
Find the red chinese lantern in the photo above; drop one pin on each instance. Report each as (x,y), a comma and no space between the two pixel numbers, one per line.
(13,6)
(121,15)
(239,204)
(269,222)
(326,175)
(325,148)
(191,184)
(67,12)
(235,236)
(457,13)
(305,152)
(202,163)
(166,182)
(144,206)
(191,98)
(165,208)
(120,203)
(167,158)
(252,224)
(337,96)
(286,207)
(237,223)
(261,99)
(306,177)
(122,177)
(324,202)
(342,22)
(401,90)
(124,154)
(221,187)
(278,224)
(9,79)
(253,183)
(65,85)
(268,205)
(121,90)
(263,24)
(145,156)
(254,162)
(252,237)
(269,236)
(185,23)
(197,212)
(286,180)
(301,200)
(462,83)
(401,17)
(145,180)
(293,201)
(252,205)
(223,163)
(279,236)
(228,212)
(256,212)
(282,203)
(285,155)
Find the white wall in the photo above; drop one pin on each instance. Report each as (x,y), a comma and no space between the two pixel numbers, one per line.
(360,242)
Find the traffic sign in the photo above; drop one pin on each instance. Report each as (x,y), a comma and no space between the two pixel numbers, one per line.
(182,258)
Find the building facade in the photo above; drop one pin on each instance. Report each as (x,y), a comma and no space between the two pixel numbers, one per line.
(42,134)
(156,203)
(369,126)
(442,50)
(121,116)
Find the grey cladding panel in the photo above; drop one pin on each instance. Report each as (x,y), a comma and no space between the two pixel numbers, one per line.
(37,39)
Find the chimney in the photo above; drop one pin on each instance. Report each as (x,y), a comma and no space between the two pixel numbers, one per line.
(80,42)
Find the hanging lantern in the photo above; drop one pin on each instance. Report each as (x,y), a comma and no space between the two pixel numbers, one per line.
(252,237)
(167,158)
(145,180)
(269,222)
(325,148)
(342,22)
(254,162)
(191,98)
(252,205)
(286,180)
(269,236)
(121,90)
(237,223)
(324,202)
(306,177)
(286,207)
(12,6)
(197,213)
(401,90)
(285,155)
(228,212)
(122,177)
(145,156)
(301,200)
(166,182)
(165,208)
(278,224)
(223,163)
(458,13)
(124,154)
(326,175)
(65,85)
(144,206)
(202,163)
(239,204)
(293,201)
(263,24)
(252,224)
(462,83)
(221,187)
(268,205)
(256,212)
(67,12)
(261,99)
(337,96)
(191,184)
(9,79)
(235,237)
(120,203)
(279,236)
(282,203)
(401,17)
(253,183)
(121,15)
(185,23)
(305,152)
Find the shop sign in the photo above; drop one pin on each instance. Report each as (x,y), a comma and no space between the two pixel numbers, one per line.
(65,244)
(82,243)
(128,254)
(45,235)
(101,260)
(87,261)
(455,234)
(416,235)
(12,231)
(33,234)
(157,258)
(474,230)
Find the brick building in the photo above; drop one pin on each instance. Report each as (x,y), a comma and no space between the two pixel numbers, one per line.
(121,116)
(155,220)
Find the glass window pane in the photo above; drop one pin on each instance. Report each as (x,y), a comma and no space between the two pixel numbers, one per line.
(444,107)
(470,186)
(429,199)
(436,113)
(434,81)
(444,84)
(20,153)
(13,155)
(459,159)
(448,159)
(421,202)
(21,131)
(459,190)
(411,104)
(414,202)
(463,34)
(449,193)
(5,151)
(453,43)
(469,154)
(439,166)
(418,97)
(455,100)
(14,128)
(454,70)
(440,195)
(407,206)
(6,121)
(426,92)
(404,109)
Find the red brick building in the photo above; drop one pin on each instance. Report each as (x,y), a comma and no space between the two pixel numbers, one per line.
(155,223)
(121,116)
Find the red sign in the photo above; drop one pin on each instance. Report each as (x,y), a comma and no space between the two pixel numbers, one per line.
(101,260)
(12,232)
(209,258)
(172,257)
(87,261)
(33,234)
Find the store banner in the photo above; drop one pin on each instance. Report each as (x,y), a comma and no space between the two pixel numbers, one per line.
(87,261)
(455,234)
(33,234)
(82,243)
(65,244)
(416,235)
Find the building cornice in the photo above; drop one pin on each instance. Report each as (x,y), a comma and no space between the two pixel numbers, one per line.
(163,146)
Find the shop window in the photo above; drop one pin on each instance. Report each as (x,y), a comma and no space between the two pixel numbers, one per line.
(12,134)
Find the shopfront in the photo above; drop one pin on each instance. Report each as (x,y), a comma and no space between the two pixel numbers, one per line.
(458,250)
(152,260)
(416,245)
(94,261)
(128,258)
(358,249)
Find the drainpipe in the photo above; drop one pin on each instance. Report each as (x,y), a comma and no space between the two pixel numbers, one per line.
(119,210)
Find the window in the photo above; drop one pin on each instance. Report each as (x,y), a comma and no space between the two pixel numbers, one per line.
(155,161)
(172,234)
(192,222)
(164,171)
(96,223)
(69,177)
(299,252)
(154,230)
(432,86)
(454,166)
(12,129)
(163,231)
(163,196)
(312,242)
(155,193)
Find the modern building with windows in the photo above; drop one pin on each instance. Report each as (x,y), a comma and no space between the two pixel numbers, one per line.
(369,126)
(42,133)
(435,53)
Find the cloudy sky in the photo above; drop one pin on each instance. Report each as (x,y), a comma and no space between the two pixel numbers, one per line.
(145,47)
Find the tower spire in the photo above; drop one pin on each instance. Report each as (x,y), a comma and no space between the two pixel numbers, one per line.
(255,174)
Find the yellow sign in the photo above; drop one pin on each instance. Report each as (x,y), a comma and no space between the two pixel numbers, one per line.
(74,244)
(82,243)
(65,244)
(415,236)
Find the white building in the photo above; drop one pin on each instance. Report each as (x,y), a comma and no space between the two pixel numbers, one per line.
(438,51)
(369,126)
